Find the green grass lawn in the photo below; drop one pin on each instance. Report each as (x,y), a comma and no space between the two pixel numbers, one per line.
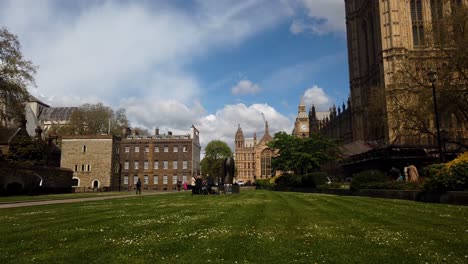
(253,227)
(29,198)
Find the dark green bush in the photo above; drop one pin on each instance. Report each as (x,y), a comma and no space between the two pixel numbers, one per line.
(288,180)
(369,176)
(264,184)
(312,180)
(432,171)
(447,178)
(392,185)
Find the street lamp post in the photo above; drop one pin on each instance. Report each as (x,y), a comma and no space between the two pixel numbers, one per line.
(432,78)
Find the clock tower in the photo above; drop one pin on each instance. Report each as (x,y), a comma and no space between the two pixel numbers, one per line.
(301,125)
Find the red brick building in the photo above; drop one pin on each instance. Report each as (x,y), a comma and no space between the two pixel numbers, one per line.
(159,160)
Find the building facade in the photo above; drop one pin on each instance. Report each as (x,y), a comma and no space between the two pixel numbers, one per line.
(381,36)
(159,161)
(93,159)
(252,157)
(301,125)
(335,123)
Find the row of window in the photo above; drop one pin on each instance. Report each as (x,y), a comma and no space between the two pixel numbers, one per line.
(84,167)
(242,165)
(136,165)
(165,178)
(156,149)
(245,156)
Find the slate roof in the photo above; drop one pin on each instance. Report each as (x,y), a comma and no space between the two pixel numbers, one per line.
(355,148)
(34,99)
(6,134)
(57,113)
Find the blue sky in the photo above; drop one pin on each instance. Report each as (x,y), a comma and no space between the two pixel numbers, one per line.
(171,64)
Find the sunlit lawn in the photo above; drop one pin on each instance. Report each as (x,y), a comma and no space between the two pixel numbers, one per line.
(253,227)
(27,198)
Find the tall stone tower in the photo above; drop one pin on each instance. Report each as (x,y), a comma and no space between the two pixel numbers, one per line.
(382,34)
(301,125)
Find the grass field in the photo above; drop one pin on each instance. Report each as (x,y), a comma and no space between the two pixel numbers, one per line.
(253,227)
(28,198)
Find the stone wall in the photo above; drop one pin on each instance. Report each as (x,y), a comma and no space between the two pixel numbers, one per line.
(16,179)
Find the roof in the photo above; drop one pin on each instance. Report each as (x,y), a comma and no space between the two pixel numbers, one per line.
(34,99)
(57,113)
(75,137)
(355,148)
(6,134)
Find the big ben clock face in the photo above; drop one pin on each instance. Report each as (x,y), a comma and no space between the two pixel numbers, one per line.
(303,127)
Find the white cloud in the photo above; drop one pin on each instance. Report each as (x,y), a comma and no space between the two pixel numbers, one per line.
(113,49)
(223,124)
(322,17)
(316,96)
(245,87)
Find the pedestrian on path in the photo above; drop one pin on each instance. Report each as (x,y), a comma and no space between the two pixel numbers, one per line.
(138,186)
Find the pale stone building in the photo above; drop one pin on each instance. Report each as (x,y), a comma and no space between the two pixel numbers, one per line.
(380,35)
(253,158)
(301,125)
(93,159)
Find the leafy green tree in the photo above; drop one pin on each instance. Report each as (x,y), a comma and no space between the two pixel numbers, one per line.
(301,155)
(93,119)
(215,153)
(26,151)
(16,73)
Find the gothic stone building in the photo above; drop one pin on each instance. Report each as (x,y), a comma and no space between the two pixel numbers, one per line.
(380,35)
(253,158)
(160,160)
(93,159)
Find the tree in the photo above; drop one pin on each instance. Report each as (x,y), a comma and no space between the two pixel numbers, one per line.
(141,131)
(27,151)
(301,155)
(16,73)
(93,119)
(411,109)
(215,153)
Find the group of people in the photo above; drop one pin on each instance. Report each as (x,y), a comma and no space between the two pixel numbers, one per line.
(178,184)
(410,173)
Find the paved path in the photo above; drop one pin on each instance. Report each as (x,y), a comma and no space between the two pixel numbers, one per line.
(75,200)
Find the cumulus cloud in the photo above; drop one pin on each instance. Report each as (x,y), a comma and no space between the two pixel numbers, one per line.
(223,124)
(316,96)
(114,49)
(245,87)
(321,16)
(136,55)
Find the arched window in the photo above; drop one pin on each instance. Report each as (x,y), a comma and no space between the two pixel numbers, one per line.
(95,184)
(266,163)
(75,182)
(417,23)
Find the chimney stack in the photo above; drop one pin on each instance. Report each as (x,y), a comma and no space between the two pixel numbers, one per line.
(156,131)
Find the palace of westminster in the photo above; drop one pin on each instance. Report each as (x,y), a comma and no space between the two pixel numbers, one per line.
(380,35)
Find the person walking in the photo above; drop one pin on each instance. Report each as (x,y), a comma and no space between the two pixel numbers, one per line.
(185,185)
(413,175)
(179,184)
(138,186)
